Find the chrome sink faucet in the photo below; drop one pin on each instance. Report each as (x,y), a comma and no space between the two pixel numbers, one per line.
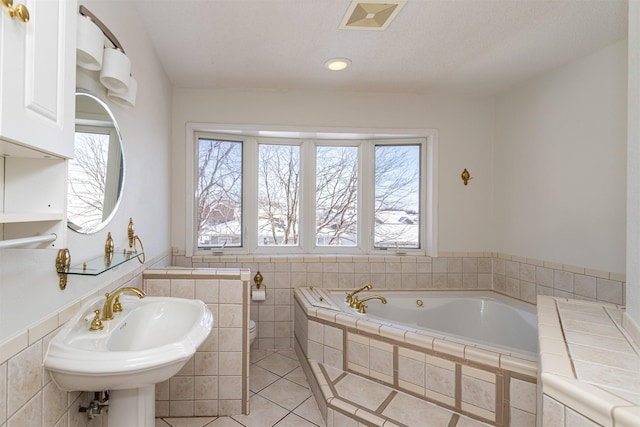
(112,301)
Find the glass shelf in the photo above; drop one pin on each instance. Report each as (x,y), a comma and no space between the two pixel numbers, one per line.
(100,264)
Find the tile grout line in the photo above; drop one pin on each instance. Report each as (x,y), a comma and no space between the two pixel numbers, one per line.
(283,377)
(280,377)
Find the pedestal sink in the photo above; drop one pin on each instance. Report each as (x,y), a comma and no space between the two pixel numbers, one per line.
(147,343)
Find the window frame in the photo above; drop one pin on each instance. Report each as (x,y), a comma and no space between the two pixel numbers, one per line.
(423,182)
(243,186)
(252,136)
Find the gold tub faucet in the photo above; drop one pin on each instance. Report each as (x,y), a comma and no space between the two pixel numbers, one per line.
(112,301)
(362,308)
(351,298)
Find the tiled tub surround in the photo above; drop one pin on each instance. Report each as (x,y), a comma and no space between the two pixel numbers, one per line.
(517,277)
(525,278)
(216,380)
(28,396)
(589,365)
(476,381)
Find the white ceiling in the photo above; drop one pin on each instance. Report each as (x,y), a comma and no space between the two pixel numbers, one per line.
(467,46)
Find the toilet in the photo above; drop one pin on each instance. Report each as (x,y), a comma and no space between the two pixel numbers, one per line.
(253,331)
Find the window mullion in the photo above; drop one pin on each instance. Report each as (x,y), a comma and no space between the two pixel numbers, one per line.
(307,196)
(365,196)
(250,195)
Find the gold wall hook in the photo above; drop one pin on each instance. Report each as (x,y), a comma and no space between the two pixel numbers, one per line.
(63,263)
(466,176)
(131,233)
(108,246)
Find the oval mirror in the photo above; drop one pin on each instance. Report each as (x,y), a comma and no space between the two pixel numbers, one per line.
(96,173)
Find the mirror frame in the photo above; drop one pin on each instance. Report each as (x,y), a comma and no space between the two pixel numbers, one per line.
(105,107)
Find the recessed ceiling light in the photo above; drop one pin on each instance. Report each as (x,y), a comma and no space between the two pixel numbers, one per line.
(337,64)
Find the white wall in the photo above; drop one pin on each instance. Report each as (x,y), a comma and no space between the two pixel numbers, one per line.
(465,137)
(560,164)
(145,132)
(29,288)
(633,162)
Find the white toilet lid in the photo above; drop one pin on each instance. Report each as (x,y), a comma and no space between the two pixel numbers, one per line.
(252,325)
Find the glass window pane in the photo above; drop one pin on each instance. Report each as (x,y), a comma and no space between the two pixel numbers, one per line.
(336,196)
(397,196)
(219,193)
(278,194)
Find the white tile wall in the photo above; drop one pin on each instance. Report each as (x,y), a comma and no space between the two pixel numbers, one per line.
(517,277)
(215,381)
(28,396)
(526,278)
(275,315)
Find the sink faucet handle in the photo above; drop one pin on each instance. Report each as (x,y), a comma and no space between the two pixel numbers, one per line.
(96,323)
(117,307)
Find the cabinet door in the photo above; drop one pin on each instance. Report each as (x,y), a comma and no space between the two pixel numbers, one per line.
(37,87)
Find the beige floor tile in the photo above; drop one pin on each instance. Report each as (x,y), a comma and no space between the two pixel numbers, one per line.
(224,422)
(259,354)
(469,422)
(309,411)
(161,423)
(290,353)
(278,364)
(411,411)
(188,421)
(297,376)
(292,420)
(264,413)
(260,378)
(286,393)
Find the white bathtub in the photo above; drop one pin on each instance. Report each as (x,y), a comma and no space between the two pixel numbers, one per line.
(470,351)
(480,317)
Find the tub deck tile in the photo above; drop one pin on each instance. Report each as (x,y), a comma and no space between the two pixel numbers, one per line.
(517,364)
(449,347)
(485,357)
(422,341)
(596,372)
(372,403)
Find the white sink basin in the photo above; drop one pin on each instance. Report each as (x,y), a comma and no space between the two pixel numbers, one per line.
(145,344)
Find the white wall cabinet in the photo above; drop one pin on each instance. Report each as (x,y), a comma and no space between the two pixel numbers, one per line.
(38,77)
(37,116)
(34,202)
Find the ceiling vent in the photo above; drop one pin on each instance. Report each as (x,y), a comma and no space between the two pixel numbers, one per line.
(371,15)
